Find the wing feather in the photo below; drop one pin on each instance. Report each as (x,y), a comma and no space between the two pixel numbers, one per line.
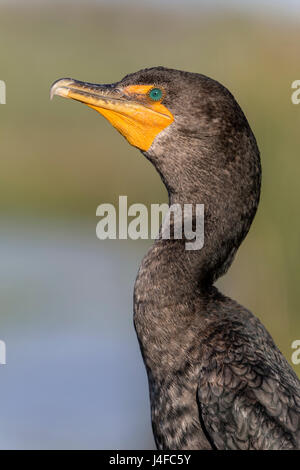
(248,399)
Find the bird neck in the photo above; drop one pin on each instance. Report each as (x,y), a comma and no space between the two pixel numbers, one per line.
(166,296)
(173,285)
(170,270)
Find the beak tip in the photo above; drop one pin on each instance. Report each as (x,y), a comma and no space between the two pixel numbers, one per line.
(59,87)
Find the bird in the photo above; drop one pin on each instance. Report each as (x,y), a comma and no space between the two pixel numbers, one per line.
(217,380)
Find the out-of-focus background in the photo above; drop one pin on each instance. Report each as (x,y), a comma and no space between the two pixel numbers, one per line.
(74,376)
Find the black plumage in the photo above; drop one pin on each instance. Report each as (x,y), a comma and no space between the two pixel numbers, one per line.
(216,378)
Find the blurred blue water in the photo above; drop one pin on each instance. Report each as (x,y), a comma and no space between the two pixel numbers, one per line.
(74,376)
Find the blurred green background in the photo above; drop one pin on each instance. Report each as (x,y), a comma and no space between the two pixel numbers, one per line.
(74,377)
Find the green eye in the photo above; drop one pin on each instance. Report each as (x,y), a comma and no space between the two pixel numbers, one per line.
(155,94)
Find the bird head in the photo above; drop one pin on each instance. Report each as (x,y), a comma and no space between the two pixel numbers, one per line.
(135,107)
(196,135)
(187,124)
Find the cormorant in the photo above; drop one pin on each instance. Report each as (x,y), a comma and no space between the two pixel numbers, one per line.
(216,378)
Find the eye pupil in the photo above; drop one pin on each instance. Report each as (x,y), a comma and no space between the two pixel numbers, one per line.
(155,94)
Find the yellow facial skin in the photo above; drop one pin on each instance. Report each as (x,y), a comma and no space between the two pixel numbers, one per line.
(130,110)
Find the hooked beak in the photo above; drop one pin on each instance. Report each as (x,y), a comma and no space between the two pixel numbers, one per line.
(137,119)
